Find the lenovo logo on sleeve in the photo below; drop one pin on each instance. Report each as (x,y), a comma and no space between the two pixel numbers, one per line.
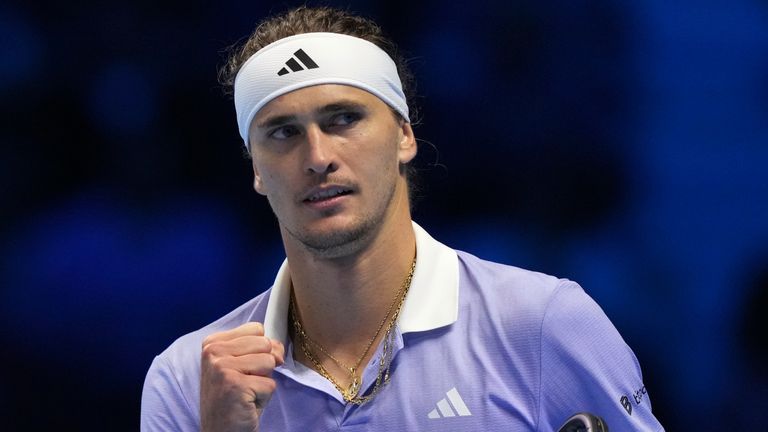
(637,396)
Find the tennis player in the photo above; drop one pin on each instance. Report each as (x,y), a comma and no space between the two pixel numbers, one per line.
(371,323)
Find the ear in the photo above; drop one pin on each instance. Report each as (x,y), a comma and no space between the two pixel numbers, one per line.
(258,184)
(407,147)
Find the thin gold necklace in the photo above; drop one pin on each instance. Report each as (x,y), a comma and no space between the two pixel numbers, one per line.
(350,394)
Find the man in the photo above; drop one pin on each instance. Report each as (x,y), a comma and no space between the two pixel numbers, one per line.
(372,324)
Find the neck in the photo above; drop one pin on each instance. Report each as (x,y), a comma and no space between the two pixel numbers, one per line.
(344,299)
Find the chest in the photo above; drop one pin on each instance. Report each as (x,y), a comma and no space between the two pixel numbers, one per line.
(438,382)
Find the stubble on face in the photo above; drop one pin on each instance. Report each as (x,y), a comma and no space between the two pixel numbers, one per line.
(352,238)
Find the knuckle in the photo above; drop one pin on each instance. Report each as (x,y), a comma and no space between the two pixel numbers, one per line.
(209,339)
(210,352)
(215,362)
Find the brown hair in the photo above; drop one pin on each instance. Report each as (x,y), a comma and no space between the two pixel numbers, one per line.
(315,19)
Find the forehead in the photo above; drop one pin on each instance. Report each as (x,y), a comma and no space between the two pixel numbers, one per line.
(307,100)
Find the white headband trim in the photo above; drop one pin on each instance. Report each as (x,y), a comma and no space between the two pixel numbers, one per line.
(309,59)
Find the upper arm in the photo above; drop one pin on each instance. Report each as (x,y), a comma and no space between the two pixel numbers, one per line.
(587,367)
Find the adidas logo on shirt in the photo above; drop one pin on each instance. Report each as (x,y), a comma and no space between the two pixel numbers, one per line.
(446,409)
(296,65)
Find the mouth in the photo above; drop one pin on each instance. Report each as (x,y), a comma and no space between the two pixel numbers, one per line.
(326,193)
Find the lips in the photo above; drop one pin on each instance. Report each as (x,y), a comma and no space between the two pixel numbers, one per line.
(326,193)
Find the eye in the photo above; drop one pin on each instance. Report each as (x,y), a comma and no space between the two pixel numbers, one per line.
(345,118)
(283,132)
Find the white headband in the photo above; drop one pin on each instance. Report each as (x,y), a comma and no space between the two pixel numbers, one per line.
(309,59)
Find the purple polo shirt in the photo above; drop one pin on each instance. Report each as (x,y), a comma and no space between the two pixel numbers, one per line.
(479,346)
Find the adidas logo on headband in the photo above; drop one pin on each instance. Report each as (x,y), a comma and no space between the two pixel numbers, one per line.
(295,66)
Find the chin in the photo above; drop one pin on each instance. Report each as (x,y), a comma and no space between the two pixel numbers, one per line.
(338,239)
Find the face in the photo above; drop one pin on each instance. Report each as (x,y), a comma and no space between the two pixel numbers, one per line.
(329,159)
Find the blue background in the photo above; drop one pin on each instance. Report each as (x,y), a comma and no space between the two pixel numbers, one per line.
(623,145)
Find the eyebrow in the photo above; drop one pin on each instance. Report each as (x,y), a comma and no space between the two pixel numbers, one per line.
(270,122)
(342,105)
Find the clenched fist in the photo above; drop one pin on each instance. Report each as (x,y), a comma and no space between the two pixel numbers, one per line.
(236,378)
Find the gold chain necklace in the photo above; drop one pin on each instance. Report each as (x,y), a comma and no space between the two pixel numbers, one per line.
(350,394)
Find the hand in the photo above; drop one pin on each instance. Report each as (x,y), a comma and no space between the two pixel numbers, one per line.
(236,378)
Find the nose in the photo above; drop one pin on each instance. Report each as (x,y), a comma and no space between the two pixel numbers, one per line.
(319,157)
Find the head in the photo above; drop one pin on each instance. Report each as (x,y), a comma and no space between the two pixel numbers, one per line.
(322,19)
(308,137)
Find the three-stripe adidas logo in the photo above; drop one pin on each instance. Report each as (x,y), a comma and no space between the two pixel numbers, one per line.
(444,408)
(295,66)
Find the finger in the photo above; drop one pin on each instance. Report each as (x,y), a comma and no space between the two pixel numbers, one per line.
(260,389)
(250,364)
(247,329)
(278,351)
(239,346)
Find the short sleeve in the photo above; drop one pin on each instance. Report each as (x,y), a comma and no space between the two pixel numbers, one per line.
(587,367)
(164,407)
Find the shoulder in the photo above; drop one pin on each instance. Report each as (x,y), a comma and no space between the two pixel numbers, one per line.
(511,289)
(503,274)
(509,305)
(562,311)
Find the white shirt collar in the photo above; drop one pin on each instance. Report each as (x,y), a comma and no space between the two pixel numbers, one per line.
(432,301)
